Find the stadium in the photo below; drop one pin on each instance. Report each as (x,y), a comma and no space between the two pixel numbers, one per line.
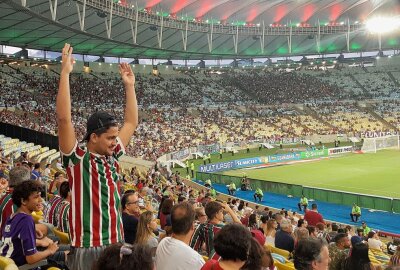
(135,119)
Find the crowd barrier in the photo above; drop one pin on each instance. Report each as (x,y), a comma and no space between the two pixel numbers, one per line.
(325,195)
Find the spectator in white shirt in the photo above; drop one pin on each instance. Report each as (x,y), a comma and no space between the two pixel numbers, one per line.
(174,253)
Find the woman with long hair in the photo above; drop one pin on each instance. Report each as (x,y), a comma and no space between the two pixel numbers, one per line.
(146,226)
(253,224)
(259,258)
(165,211)
(270,232)
(358,259)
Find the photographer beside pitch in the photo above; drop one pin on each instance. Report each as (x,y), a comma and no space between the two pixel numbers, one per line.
(92,168)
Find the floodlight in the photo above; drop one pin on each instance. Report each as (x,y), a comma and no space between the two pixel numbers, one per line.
(382,24)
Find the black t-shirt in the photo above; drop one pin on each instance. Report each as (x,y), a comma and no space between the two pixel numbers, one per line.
(130,227)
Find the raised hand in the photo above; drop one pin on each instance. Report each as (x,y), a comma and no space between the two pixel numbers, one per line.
(67,59)
(127,75)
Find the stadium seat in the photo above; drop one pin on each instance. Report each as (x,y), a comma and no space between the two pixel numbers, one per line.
(284,266)
(7,264)
(37,217)
(282,252)
(64,237)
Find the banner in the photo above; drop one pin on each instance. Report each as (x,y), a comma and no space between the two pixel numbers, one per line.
(233,164)
(208,149)
(182,154)
(314,154)
(340,150)
(284,157)
(377,134)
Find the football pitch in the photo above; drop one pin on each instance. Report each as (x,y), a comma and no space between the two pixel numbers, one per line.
(372,173)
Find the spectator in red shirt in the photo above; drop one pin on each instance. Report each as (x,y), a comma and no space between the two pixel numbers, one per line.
(233,244)
(312,216)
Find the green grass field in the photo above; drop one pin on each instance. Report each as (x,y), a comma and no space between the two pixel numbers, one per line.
(373,173)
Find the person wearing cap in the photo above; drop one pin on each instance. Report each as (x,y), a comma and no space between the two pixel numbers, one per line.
(355,212)
(365,228)
(93,168)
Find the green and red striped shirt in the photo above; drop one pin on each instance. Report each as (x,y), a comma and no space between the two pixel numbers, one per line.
(63,216)
(50,210)
(7,208)
(94,216)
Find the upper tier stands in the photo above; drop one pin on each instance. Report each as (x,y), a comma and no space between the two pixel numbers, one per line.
(179,109)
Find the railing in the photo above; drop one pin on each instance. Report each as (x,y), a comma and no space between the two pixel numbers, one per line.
(228,29)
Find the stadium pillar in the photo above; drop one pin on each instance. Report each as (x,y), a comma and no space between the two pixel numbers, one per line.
(262,39)
(160,32)
(184,35)
(210,37)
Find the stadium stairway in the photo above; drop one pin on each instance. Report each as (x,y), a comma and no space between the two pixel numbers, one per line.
(308,111)
(365,91)
(395,81)
(378,220)
(371,112)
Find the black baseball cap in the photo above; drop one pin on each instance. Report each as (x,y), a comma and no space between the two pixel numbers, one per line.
(97,121)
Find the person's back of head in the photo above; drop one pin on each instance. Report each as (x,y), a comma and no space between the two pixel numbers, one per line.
(64,189)
(308,254)
(18,175)
(124,256)
(212,208)
(136,257)
(302,233)
(285,225)
(259,258)
(334,227)
(182,218)
(109,258)
(314,206)
(37,166)
(358,258)
(233,242)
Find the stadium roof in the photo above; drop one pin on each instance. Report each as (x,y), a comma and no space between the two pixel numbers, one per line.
(196,29)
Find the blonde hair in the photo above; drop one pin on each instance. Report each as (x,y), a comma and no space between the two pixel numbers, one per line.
(143,231)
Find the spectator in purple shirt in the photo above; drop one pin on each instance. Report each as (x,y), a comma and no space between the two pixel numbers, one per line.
(19,241)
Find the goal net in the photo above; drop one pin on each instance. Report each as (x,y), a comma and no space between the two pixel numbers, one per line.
(379,143)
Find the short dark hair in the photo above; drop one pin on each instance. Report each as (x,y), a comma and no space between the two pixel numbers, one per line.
(124,199)
(314,206)
(233,242)
(334,227)
(166,206)
(212,208)
(57,174)
(140,258)
(25,189)
(182,218)
(64,189)
(307,251)
(339,237)
(37,166)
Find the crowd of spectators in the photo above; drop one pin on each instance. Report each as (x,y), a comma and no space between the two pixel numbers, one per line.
(170,225)
(184,110)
